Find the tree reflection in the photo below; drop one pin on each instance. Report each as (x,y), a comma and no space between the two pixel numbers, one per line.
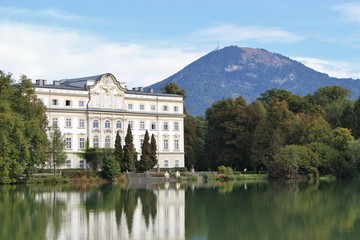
(280,210)
(24,215)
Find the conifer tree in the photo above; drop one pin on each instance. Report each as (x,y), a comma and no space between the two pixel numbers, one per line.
(153,150)
(57,146)
(145,161)
(129,152)
(119,153)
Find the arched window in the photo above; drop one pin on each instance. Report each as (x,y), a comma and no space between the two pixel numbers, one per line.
(107,142)
(96,141)
(107,124)
(95,124)
(118,124)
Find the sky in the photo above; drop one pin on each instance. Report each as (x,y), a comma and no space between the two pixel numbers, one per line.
(143,42)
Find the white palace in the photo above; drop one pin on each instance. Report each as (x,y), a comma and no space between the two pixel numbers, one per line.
(95,108)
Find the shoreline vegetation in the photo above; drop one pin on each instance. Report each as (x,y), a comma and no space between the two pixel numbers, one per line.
(223,175)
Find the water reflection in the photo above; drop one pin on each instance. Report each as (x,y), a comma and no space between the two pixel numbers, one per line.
(251,210)
(109,212)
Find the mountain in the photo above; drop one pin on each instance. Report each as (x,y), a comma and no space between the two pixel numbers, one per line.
(234,71)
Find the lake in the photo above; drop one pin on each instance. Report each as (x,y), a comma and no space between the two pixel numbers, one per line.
(244,210)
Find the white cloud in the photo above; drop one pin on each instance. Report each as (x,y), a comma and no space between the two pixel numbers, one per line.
(235,33)
(349,11)
(339,69)
(56,53)
(48,13)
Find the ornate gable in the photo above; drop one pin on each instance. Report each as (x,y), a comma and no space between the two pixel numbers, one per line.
(107,93)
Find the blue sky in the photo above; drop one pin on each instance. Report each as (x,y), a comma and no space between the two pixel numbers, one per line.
(143,42)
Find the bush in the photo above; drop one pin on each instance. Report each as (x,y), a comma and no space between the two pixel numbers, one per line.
(225,170)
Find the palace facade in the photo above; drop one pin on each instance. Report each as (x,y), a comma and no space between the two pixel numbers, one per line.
(95,108)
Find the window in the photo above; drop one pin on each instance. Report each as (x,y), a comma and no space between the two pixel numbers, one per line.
(81,103)
(54,102)
(166,144)
(68,143)
(81,123)
(67,103)
(55,122)
(107,124)
(166,163)
(142,125)
(165,108)
(176,126)
(165,126)
(68,123)
(96,141)
(142,107)
(141,142)
(176,163)
(95,124)
(118,125)
(107,142)
(176,108)
(82,164)
(81,143)
(153,107)
(153,125)
(130,106)
(131,125)
(176,144)
(68,163)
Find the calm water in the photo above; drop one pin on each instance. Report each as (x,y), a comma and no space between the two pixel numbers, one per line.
(243,211)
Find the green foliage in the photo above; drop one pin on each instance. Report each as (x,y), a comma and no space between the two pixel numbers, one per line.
(23,139)
(119,152)
(173,88)
(195,132)
(294,160)
(57,146)
(153,152)
(95,156)
(111,168)
(129,153)
(225,170)
(145,159)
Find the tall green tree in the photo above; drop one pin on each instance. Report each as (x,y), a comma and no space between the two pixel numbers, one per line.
(119,152)
(195,132)
(145,160)
(153,152)
(173,88)
(129,152)
(56,148)
(110,168)
(23,139)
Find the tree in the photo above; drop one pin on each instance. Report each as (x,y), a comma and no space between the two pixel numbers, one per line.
(110,168)
(294,160)
(173,88)
(153,152)
(195,132)
(23,123)
(129,152)
(119,152)
(145,160)
(56,149)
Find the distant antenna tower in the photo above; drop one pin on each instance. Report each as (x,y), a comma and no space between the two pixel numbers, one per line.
(217,46)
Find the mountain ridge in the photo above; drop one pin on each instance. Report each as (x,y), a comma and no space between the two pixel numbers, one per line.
(242,71)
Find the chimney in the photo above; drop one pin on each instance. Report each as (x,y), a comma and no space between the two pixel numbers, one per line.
(140,89)
(134,88)
(150,90)
(56,82)
(40,82)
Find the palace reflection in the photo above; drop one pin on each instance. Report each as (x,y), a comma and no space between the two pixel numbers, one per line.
(110,212)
